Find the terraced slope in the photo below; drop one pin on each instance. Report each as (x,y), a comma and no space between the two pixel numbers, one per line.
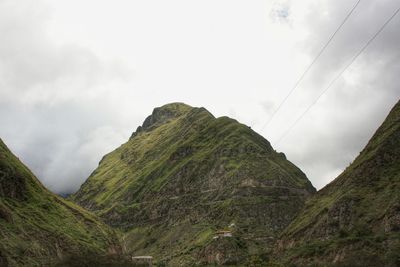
(38,228)
(355,220)
(183,176)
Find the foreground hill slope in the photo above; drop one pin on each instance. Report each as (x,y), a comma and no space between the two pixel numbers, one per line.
(38,228)
(182,176)
(355,220)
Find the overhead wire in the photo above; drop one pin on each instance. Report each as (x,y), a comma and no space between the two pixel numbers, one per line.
(339,75)
(310,65)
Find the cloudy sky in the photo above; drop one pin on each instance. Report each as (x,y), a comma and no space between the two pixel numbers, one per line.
(78,76)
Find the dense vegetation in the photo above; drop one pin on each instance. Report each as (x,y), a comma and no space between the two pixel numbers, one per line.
(39,228)
(184,175)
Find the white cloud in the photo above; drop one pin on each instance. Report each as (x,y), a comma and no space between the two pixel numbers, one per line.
(77,77)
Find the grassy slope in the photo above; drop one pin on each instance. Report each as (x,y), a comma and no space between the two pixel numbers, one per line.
(355,220)
(185,174)
(37,226)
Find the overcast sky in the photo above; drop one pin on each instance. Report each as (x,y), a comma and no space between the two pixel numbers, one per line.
(77,77)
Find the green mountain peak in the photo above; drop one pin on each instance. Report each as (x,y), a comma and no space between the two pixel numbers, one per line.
(162,115)
(183,176)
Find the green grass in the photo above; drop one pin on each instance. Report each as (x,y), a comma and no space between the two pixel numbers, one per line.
(37,226)
(185,168)
(357,212)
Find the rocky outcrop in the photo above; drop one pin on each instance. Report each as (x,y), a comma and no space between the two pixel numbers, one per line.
(12,182)
(162,115)
(224,251)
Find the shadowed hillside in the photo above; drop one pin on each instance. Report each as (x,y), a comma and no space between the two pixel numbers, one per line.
(355,220)
(38,228)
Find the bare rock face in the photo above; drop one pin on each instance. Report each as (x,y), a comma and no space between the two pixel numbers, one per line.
(355,220)
(11,186)
(224,251)
(12,183)
(5,214)
(3,260)
(184,175)
(162,115)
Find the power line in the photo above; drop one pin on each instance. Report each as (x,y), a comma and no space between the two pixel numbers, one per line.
(339,75)
(309,66)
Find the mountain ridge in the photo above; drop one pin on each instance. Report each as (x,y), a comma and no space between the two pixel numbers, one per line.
(191,189)
(185,171)
(38,227)
(354,220)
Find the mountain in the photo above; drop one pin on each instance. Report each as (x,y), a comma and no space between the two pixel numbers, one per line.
(38,228)
(355,220)
(184,177)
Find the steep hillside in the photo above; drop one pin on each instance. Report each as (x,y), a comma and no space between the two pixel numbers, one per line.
(355,220)
(183,176)
(38,228)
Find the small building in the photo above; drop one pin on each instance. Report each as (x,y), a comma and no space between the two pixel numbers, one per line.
(224,233)
(148,260)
